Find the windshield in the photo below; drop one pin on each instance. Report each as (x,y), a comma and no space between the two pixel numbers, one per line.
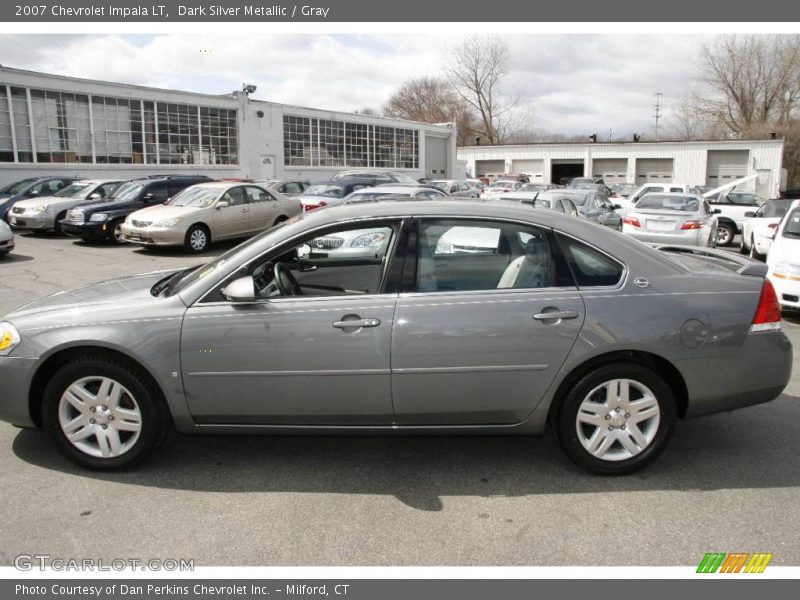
(792,228)
(403,178)
(329,190)
(660,202)
(16,188)
(125,192)
(74,190)
(198,197)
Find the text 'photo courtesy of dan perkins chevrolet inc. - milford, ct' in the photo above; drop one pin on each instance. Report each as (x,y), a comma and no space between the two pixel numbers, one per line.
(160,10)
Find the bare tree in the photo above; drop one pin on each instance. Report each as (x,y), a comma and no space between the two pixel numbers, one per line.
(432,100)
(476,68)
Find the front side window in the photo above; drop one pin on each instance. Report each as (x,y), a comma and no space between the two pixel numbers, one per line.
(234,197)
(255,194)
(463,255)
(344,262)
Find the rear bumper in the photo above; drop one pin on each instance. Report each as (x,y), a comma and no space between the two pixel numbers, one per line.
(758,373)
(692,237)
(788,291)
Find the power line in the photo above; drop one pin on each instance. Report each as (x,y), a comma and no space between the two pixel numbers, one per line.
(657,114)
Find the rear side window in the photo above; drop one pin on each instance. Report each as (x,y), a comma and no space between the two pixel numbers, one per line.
(159,191)
(590,267)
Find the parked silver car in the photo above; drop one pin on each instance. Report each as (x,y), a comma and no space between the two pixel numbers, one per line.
(453,187)
(672,218)
(6,238)
(548,320)
(44,213)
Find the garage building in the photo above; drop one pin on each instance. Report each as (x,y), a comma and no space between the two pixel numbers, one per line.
(711,163)
(55,125)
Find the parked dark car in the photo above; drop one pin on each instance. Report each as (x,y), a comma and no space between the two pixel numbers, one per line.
(592,205)
(374,178)
(332,192)
(29,188)
(102,219)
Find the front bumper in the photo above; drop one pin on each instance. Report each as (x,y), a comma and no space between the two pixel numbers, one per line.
(33,221)
(788,290)
(6,245)
(153,236)
(87,231)
(16,374)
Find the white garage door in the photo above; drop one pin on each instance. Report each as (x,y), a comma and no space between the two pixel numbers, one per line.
(612,170)
(653,170)
(489,167)
(723,166)
(533,167)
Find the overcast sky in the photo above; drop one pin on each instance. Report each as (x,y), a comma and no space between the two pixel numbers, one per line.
(577,84)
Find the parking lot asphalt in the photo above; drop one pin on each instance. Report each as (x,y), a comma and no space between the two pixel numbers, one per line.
(729,482)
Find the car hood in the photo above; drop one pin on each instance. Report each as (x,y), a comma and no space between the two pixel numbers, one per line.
(42,200)
(94,302)
(165,211)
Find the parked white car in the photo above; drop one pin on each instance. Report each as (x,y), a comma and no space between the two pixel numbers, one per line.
(43,213)
(758,228)
(732,207)
(783,260)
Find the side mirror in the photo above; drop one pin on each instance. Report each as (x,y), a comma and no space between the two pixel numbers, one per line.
(94,196)
(750,214)
(303,251)
(222,204)
(33,193)
(147,198)
(717,211)
(240,290)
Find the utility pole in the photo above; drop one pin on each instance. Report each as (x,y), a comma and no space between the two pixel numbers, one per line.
(657,113)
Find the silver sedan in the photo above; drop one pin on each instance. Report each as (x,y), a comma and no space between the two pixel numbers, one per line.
(6,238)
(479,318)
(672,218)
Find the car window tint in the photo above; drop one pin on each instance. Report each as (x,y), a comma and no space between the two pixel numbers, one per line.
(590,267)
(458,255)
(159,191)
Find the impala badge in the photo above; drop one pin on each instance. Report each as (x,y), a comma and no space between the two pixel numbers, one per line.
(641,282)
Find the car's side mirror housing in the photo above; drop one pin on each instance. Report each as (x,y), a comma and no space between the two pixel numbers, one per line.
(717,211)
(148,198)
(222,204)
(94,196)
(240,290)
(750,214)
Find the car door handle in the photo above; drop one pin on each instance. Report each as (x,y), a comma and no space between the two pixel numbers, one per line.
(356,323)
(556,314)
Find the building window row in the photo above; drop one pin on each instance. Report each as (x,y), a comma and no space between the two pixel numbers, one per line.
(310,142)
(47,126)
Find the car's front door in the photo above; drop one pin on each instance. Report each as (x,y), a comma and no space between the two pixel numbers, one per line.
(491,316)
(231,214)
(314,346)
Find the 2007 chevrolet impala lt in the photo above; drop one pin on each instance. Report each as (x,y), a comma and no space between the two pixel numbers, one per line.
(459,318)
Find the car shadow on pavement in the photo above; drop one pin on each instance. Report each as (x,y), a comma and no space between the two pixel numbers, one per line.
(13,257)
(213,249)
(751,448)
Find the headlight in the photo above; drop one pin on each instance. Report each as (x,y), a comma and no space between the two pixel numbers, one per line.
(40,208)
(98,217)
(166,223)
(368,240)
(786,268)
(9,338)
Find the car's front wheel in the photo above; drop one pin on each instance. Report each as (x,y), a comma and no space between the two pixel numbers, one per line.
(197,239)
(725,234)
(102,414)
(616,419)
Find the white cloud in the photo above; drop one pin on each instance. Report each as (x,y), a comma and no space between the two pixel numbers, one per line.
(577,83)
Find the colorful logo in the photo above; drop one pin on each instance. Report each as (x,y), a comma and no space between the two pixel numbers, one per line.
(735,562)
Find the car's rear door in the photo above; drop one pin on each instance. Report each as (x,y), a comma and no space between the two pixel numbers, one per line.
(473,342)
(234,219)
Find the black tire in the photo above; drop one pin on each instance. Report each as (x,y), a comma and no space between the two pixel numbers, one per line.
(155,418)
(57,224)
(566,415)
(742,248)
(194,241)
(755,254)
(115,231)
(725,239)
(279,220)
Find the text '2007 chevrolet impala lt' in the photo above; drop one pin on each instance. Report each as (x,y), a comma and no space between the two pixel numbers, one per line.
(406,317)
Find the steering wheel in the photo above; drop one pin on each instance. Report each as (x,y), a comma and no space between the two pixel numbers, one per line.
(287,284)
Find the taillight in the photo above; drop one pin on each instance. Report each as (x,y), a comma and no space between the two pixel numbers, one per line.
(773,225)
(632,221)
(768,313)
(308,207)
(692,225)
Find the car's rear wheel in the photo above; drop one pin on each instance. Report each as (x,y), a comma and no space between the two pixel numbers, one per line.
(725,234)
(197,239)
(102,414)
(616,419)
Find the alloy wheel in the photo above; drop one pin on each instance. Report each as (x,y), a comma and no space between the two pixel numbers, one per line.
(724,236)
(100,417)
(198,240)
(618,419)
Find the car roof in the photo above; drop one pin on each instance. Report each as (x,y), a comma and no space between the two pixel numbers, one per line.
(391,189)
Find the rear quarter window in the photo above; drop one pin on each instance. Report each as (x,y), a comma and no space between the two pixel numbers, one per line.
(590,267)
